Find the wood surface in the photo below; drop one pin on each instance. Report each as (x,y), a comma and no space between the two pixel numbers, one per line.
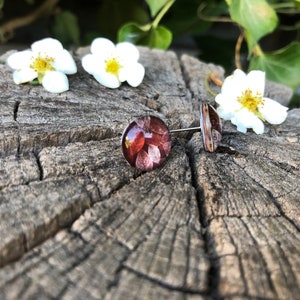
(77,222)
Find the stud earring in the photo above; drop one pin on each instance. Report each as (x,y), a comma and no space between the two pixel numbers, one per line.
(146,142)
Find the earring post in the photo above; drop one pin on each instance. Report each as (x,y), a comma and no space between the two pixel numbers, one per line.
(185,129)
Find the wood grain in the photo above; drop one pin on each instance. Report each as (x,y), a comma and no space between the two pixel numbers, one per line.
(77,222)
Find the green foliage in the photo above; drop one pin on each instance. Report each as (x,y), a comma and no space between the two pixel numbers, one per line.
(65,28)
(151,34)
(185,17)
(111,15)
(159,37)
(155,6)
(281,66)
(34,82)
(297,3)
(134,33)
(257,18)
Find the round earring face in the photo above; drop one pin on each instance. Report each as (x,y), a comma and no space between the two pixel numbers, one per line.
(146,143)
(211,127)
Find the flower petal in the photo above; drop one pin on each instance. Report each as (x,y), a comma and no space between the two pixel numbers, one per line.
(24,75)
(224,113)
(107,79)
(48,45)
(89,63)
(256,82)
(133,74)
(234,85)
(273,112)
(65,63)
(20,59)
(128,51)
(244,119)
(227,108)
(103,46)
(238,73)
(55,82)
(111,65)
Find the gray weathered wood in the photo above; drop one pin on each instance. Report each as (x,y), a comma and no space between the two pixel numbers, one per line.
(76,222)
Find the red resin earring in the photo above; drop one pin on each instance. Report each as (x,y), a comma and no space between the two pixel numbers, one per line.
(146,142)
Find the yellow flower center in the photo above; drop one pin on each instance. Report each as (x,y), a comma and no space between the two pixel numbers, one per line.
(113,66)
(251,101)
(42,64)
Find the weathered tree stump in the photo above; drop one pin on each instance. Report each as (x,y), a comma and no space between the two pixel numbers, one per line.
(77,222)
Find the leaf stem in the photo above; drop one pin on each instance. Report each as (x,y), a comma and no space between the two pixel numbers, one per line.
(285,8)
(283,5)
(204,17)
(213,77)
(238,51)
(257,51)
(162,13)
(7,29)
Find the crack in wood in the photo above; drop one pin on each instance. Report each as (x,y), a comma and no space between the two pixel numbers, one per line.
(16,108)
(186,290)
(40,166)
(265,266)
(214,270)
(274,199)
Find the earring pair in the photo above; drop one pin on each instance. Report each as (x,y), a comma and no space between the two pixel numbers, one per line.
(146,141)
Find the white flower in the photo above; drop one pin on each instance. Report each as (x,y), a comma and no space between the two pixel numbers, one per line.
(112,64)
(241,101)
(47,61)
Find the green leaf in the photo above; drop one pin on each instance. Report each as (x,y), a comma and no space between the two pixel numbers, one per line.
(34,82)
(186,17)
(297,3)
(133,33)
(257,18)
(66,29)
(155,6)
(112,14)
(281,66)
(159,37)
